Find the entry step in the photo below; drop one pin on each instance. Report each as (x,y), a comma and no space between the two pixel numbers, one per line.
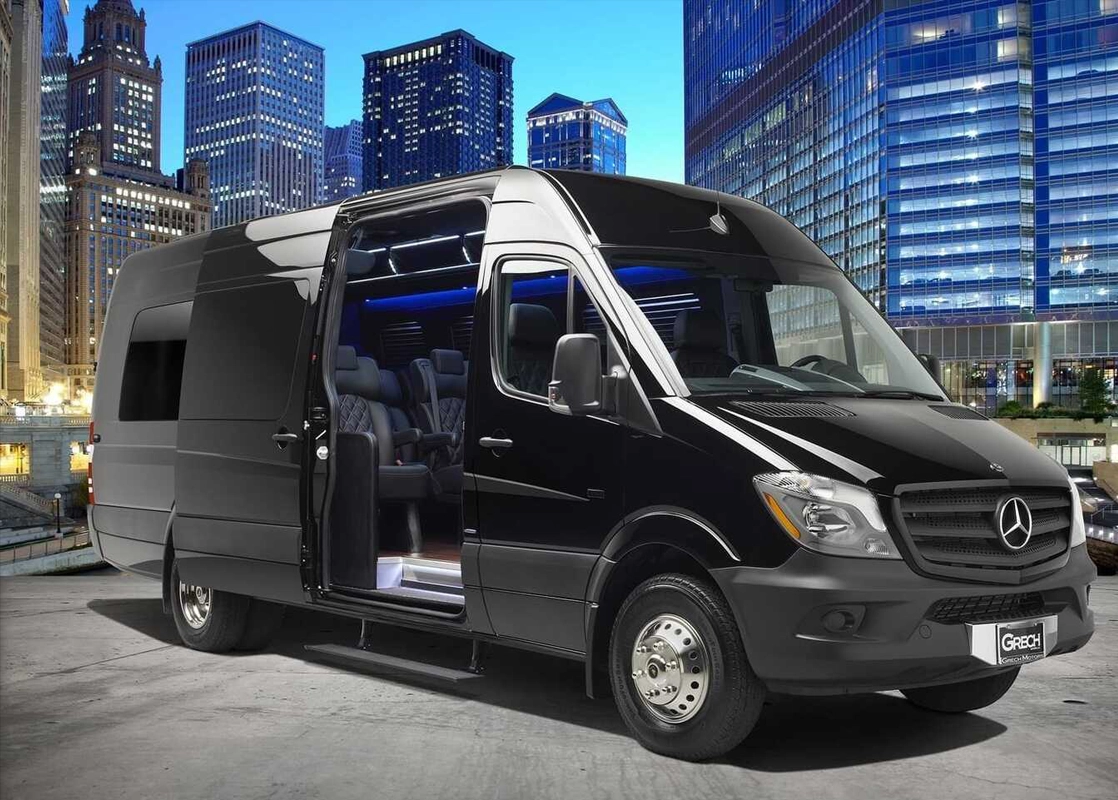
(392,665)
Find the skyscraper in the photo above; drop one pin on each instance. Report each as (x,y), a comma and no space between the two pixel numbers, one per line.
(343,161)
(254,112)
(21,185)
(52,189)
(564,133)
(118,202)
(438,107)
(951,157)
(7,32)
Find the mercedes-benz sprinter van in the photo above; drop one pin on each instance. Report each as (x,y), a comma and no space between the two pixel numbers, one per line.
(644,426)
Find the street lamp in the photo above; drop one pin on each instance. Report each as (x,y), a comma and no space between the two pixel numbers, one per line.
(58,514)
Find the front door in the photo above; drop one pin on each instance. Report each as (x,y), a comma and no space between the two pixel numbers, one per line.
(548,486)
(238,519)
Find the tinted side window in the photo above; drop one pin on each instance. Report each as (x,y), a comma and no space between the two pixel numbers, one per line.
(531,316)
(242,351)
(153,365)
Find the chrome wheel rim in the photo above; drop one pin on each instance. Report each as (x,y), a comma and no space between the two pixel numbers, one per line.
(194,601)
(671,669)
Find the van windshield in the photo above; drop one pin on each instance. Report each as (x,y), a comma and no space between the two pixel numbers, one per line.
(767,326)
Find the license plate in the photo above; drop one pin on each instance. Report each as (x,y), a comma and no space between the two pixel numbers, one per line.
(1017,642)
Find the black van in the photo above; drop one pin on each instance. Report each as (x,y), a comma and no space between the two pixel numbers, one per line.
(644,426)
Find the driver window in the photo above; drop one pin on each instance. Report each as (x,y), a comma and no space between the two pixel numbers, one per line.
(539,302)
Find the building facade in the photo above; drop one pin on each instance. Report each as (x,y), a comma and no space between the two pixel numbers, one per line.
(438,107)
(955,158)
(53,159)
(117,200)
(343,161)
(565,133)
(21,185)
(7,33)
(254,113)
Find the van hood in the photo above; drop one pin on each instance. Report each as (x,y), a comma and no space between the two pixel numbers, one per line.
(885,443)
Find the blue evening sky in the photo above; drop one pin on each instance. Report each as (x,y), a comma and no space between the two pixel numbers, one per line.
(630,50)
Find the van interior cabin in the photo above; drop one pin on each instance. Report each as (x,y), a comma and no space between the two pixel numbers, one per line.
(400,378)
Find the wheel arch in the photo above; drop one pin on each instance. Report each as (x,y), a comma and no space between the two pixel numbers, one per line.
(657,540)
(168,560)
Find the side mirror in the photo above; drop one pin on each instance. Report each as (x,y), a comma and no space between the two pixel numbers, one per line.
(931,363)
(576,385)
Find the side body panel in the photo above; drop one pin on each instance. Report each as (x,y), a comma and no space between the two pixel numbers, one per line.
(134,462)
(239,520)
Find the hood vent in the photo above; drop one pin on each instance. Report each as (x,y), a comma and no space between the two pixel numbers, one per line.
(805,409)
(957,412)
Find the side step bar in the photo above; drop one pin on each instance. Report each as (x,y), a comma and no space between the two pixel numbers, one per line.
(385,664)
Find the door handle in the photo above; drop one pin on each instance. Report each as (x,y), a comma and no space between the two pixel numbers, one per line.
(284,438)
(494,443)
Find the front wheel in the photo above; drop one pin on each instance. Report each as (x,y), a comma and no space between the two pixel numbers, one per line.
(955,698)
(679,671)
(207,619)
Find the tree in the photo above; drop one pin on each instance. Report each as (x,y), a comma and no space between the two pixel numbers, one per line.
(1094,393)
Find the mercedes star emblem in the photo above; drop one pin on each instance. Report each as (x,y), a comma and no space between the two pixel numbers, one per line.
(1014,523)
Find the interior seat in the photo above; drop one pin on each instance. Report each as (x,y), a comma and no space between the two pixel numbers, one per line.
(700,345)
(439,383)
(362,409)
(532,333)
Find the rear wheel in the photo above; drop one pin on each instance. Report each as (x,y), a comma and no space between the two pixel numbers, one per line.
(207,619)
(679,672)
(955,698)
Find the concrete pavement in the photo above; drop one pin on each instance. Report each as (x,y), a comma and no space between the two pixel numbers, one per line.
(98,700)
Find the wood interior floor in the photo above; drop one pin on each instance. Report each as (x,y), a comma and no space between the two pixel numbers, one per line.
(437,551)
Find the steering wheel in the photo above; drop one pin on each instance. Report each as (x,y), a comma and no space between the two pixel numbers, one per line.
(806,360)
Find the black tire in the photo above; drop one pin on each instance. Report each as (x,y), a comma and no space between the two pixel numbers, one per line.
(263,623)
(955,698)
(734,694)
(224,623)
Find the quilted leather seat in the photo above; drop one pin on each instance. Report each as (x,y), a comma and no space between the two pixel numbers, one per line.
(447,371)
(533,332)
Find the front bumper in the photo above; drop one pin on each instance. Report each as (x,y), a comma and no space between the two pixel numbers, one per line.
(891,642)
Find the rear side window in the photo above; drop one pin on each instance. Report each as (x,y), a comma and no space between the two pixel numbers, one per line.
(153,366)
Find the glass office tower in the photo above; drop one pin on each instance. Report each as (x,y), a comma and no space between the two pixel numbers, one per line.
(54,105)
(343,161)
(564,133)
(439,107)
(951,156)
(254,111)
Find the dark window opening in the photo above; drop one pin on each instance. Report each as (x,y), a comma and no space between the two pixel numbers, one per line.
(153,365)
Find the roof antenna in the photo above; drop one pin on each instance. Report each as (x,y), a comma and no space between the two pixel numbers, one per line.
(718,223)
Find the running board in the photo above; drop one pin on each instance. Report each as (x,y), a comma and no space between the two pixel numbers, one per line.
(385,664)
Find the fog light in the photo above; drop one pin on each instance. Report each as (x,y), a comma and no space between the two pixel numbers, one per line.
(838,621)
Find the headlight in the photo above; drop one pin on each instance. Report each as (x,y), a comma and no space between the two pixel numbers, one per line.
(825,515)
(1078,531)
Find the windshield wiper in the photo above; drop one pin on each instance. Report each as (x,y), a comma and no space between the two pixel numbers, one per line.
(900,394)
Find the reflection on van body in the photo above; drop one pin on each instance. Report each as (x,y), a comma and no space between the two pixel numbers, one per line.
(644,426)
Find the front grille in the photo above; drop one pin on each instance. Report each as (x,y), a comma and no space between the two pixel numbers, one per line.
(954,531)
(986,608)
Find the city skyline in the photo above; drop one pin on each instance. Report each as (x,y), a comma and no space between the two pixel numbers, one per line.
(649,89)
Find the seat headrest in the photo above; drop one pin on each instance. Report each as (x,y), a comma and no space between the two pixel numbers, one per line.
(532,326)
(699,330)
(451,384)
(347,357)
(390,392)
(355,374)
(448,362)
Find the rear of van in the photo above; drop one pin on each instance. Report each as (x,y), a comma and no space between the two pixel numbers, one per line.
(135,404)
